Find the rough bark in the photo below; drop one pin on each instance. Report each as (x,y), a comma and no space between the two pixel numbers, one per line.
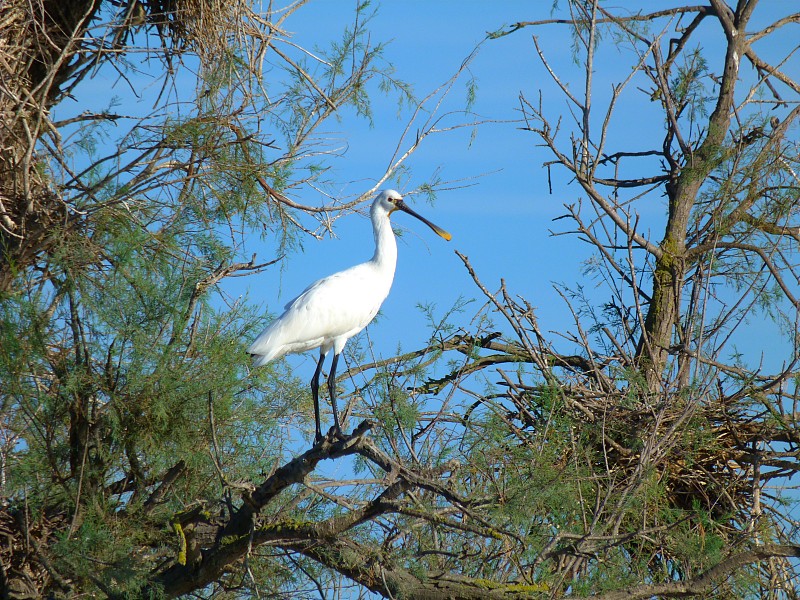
(671,266)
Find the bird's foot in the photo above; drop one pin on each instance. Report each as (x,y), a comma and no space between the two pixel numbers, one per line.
(335,433)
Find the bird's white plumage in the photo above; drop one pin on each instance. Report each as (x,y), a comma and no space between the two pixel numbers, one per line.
(332,310)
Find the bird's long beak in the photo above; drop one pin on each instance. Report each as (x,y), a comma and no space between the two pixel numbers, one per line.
(404,207)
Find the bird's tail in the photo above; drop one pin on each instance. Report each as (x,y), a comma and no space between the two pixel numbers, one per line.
(266,347)
(259,360)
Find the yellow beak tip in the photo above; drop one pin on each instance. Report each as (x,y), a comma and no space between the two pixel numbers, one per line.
(446,235)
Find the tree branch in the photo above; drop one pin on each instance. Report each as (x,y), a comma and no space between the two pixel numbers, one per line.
(705,581)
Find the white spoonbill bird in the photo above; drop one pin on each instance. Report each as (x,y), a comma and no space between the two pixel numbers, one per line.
(332,310)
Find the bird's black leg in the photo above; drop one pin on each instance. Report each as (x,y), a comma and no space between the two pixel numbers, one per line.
(332,392)
(315,394)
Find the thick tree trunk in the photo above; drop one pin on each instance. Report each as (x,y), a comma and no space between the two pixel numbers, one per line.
(670,269)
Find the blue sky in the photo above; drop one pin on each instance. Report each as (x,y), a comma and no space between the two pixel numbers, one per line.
(502,219)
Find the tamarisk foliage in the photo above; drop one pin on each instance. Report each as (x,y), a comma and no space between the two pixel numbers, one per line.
(645,450)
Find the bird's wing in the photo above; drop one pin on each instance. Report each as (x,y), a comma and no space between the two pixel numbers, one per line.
(309,290)
(338,305)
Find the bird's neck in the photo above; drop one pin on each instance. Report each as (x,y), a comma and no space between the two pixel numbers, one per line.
(385,256)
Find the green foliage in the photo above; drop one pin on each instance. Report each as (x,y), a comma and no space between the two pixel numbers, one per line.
(688,86)
(132,427)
